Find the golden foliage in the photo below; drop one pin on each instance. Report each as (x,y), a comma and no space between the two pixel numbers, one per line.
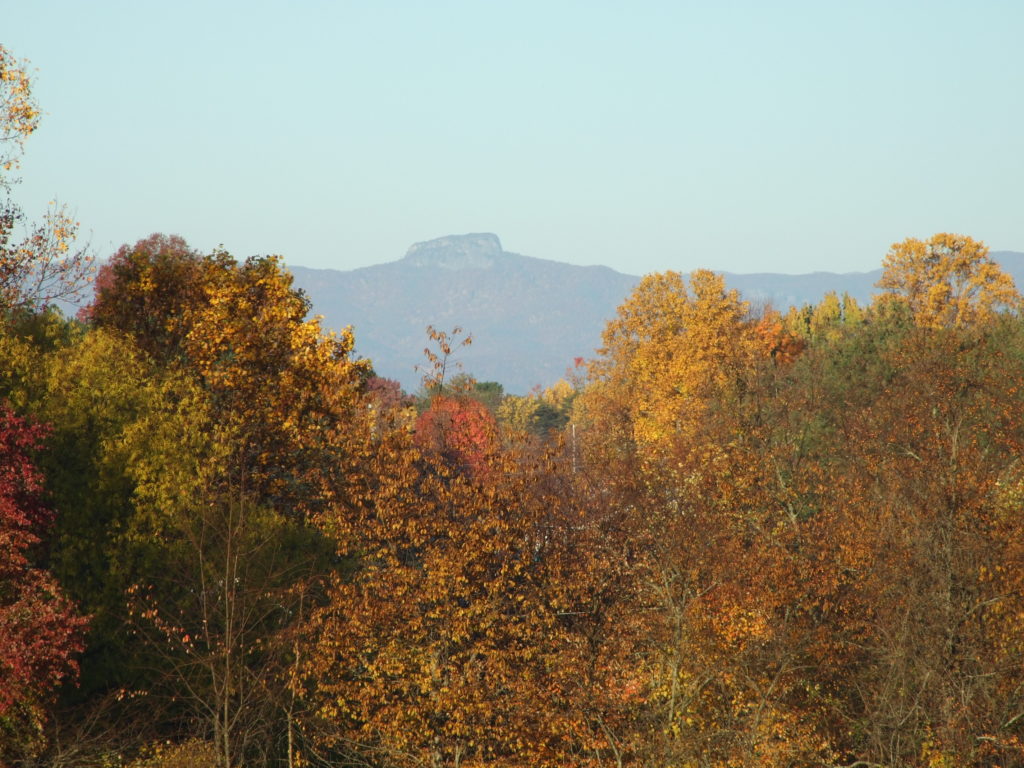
(671,355)
(42,264)
(19,113)
(948,280)
(461,637)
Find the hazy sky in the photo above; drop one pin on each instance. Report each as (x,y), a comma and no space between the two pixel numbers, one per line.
(740,136)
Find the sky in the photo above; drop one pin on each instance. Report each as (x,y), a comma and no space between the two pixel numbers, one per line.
(645,136)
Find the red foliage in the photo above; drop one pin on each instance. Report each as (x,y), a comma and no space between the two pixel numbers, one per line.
(461,429)
(39,630)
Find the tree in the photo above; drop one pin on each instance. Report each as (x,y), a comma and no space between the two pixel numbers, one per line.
(894,451)
(41,265)
(947,280)
(675,422)
(145,290)
(92,389)
(925,471)
(40,632)
(240,330)
(461,430)
(541,413)
(19,113)
(442,363)
(256,424)
(465,634)
(670,355)
(390,407)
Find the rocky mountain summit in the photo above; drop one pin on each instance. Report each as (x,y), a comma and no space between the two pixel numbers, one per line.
(473,251)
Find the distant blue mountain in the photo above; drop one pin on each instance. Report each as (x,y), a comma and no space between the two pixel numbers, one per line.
(530,318)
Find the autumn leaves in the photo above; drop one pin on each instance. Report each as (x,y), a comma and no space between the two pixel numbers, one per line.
(824,552)
(784,540)
(39,263)
(948,280)
(765,539)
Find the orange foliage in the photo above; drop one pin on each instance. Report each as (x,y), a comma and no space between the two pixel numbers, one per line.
(458,640)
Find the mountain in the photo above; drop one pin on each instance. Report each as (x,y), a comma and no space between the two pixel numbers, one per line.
(530,318)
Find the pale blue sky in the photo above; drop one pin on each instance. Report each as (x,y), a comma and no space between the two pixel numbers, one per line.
(740,136)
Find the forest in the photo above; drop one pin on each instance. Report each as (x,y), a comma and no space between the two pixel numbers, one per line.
(735,537)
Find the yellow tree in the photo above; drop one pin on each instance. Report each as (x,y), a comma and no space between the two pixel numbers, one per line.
(19,113)
(460,637)
(38,263)
(256,425)
(688,370)
(542,412)
(671,352)
(947,280)
(240,330)
(650,318)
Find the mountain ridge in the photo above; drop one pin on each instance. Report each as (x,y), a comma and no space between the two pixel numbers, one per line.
(510,303)
(530,317)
